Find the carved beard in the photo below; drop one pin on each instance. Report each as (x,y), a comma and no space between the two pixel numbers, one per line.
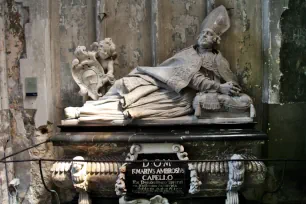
(205,43)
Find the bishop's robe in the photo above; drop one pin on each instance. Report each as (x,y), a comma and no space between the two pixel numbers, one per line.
(168,90)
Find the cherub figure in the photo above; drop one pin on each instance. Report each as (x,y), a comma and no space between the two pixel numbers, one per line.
(89,67)
(106,55)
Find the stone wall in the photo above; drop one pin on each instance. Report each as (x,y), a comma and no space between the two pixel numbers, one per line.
(76,27)
(287,117)
(242,46)
(24,120)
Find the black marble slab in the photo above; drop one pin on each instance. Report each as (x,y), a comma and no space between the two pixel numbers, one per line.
(150,126)
(92,134)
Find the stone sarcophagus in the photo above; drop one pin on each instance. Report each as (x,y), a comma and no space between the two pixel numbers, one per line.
(220,161)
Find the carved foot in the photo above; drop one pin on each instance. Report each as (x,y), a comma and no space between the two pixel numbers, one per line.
(84,198)
(72,112)
(232,198)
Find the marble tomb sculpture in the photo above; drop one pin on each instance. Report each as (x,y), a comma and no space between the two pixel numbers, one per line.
(195,85)
(93,70)
(195,81)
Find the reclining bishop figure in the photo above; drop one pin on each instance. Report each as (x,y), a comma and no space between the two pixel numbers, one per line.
(196,80)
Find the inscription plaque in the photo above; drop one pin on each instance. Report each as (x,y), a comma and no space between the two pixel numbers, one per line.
(161,177)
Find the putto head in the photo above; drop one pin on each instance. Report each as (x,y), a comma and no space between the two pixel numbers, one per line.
(105,48)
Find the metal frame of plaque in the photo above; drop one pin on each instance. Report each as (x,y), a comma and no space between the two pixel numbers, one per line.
(172,179)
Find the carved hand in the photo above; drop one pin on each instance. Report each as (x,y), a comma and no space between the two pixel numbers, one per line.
(111,78)
(229,88)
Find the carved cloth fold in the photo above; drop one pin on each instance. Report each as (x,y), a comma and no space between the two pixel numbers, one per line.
(163,91)
(145,97)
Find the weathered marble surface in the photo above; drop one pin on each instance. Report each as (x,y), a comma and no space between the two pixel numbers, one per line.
(102,176)
(197,79)
(214,176)
(93,70)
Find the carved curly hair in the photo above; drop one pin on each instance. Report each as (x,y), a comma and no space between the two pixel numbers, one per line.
(108,46)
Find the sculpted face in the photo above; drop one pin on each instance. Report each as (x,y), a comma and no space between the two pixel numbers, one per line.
(105,48)
(207,38)
(80,52)
(78,166)
(103,53)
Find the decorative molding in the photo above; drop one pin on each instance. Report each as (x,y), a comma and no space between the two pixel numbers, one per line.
(61,175)
(236,179)
(220,167)
(79,174)
(76,174)
(61,171)
(84,198)
(195,182)
(134,151)
(79,179)
(120,187)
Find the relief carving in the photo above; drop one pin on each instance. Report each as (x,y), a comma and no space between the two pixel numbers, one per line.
(75,175)
(236,179)
(79,179)
(93,70)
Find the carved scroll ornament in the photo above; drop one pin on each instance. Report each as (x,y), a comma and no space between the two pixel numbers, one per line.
(73,174)
(93,70)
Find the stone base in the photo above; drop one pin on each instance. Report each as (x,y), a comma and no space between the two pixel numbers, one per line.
(201,142)
(225,115)
(212,118)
